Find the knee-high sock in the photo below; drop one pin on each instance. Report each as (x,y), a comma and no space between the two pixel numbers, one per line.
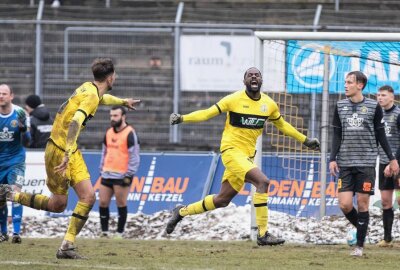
(104,218)
(388,217)
(36,201)
(362,227)
(352,216)
(78,219)
(3,218)
(16,217)
(207,204)
(260,201)
(122,214)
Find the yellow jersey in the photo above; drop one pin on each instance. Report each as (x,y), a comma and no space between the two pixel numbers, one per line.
(245,120)
(84,99)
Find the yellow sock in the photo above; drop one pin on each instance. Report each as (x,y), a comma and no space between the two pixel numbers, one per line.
(261,208)
(198,207)
(36,201)
(78,219)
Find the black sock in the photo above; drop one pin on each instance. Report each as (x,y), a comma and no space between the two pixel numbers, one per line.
(352,216)
(104,218)
(388,217)
(362,227)
(122,214)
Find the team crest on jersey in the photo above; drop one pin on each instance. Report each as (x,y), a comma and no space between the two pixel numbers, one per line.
(263,108)
(355,122)
(6,135)
(364,109)
(14,123)
(391,118)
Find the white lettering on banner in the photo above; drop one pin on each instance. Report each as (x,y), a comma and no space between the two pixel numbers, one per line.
(35,179)
(394,70)
(215,63)
(152,197)
(165,197)
(375,67)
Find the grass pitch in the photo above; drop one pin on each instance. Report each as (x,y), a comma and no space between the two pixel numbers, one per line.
(35,254)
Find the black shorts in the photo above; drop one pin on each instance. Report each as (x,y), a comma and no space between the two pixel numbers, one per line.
(125,182)
(387,183)
(357,179)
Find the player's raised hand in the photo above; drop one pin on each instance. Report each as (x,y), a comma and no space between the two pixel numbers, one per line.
(175,118)
(62,168)
(130,103)
(313,144)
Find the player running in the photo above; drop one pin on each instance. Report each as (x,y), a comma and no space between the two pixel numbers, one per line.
(247,111)
(65,166)
(14,134)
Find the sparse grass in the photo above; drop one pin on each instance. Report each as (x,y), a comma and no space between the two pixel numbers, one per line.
(35,254)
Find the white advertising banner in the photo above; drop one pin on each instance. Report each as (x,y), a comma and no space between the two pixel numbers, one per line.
(35,179)
(215,63)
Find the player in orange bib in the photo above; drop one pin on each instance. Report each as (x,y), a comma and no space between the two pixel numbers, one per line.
(247,112)
(65,166)
(120,161)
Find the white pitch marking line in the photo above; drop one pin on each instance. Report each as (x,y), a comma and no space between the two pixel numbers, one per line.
(66,265)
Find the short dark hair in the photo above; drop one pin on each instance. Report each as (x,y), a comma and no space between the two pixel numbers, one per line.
(119,107)
(247,70)
(386,88)
(360,77)
(102,68)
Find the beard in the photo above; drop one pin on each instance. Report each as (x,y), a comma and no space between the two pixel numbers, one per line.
(251,89)
(116,124)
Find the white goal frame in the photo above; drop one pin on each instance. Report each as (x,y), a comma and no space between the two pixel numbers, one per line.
(260,38)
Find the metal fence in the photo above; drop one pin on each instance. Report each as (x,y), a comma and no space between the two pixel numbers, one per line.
(53,57)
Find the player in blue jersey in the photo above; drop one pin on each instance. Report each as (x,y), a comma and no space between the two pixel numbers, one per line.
(14,135)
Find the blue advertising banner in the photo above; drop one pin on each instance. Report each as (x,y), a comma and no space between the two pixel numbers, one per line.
(162,181)
(292,191)
(305,65)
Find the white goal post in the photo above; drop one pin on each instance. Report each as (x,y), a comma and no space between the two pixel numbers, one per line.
(262,56)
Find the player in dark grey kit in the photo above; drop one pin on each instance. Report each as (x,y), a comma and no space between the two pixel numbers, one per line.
(357,126)
(387,185)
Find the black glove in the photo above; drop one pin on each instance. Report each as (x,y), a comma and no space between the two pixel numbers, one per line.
(313,144)
(175,118)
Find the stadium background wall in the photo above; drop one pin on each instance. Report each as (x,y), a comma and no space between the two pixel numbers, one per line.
(167,179)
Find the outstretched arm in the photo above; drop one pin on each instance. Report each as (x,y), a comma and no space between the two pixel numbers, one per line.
(108,99)
(196,116)
(288,129)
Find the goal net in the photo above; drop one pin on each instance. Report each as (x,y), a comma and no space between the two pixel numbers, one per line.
(305,73)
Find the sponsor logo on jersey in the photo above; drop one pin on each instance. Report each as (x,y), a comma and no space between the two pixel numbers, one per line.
(355,122)
(6,135)
(247,120)
(388,129)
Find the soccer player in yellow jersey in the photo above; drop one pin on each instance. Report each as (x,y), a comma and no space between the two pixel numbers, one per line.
(247,111)
(65,166)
